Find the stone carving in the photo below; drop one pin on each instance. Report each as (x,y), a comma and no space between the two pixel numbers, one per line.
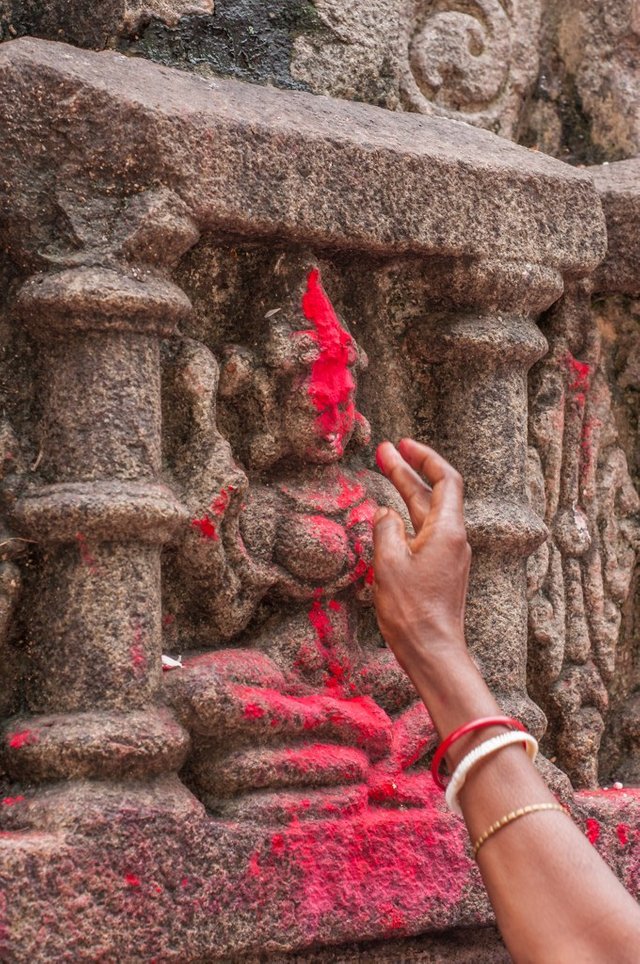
(579,580)
(473,59)
(309,700)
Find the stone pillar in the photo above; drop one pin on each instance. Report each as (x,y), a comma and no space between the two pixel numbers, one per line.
(99,517)
(480,357)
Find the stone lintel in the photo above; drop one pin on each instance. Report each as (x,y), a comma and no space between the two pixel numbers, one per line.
(260,162)
(618,185)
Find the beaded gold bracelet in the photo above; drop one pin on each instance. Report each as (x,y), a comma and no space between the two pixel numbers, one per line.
(509,818)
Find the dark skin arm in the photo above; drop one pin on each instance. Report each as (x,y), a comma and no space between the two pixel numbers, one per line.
(554,898)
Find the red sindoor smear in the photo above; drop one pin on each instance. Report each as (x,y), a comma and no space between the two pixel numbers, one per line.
(331,383)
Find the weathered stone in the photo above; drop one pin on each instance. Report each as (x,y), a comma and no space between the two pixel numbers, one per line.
(259,161)
(619,188)
(201,396)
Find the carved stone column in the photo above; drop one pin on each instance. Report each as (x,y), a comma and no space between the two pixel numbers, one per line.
(480,357)
(100,514)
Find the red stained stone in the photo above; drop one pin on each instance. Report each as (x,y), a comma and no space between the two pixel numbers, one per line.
(623,833)
(593,830)
(206,527)
(23,738)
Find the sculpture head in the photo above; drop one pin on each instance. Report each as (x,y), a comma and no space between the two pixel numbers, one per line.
(303,392)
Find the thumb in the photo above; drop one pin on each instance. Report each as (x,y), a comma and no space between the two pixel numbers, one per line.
(389,535)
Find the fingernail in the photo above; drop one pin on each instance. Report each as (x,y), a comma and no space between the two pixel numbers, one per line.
(380,513)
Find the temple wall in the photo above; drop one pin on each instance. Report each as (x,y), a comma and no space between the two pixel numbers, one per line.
(175,479)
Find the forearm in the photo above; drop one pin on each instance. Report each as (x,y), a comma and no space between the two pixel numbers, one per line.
(527,864)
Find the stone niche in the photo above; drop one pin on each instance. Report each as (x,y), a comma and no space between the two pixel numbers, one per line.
(215,299)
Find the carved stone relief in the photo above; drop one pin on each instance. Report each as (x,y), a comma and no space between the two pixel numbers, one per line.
(308,713)
(579,581)
(472,59)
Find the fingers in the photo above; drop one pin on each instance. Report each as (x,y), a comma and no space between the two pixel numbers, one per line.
(411,487)
(389,538)
(447,487)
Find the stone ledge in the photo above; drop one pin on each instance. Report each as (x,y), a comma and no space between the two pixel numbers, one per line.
(261,162)
(619,188)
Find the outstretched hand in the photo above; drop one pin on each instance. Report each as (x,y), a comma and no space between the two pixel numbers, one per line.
(421,581)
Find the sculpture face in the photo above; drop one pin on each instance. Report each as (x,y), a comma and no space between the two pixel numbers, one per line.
(319,412)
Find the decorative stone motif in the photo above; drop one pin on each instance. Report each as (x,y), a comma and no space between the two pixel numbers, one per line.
(579,581)
(475,60)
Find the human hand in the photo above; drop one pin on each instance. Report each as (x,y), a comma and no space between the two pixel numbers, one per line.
(421,582)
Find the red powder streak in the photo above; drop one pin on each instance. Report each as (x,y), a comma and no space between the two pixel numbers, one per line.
(580,373)
(593,830)
(331,383)
(362,513)
(138,657)
(254,712)
(623,833)
(24,738)
(85,553)
(206,527)
(11,801)
(350,493)
(320,621)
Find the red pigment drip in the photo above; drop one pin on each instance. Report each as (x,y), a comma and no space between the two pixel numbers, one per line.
(331,383)
(206,527)
(321,622)
(581,374)
(623,833)
(11,801)
(593,830)
(24,738)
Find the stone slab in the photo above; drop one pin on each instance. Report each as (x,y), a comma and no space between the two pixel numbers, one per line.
(255,161)
(618,185)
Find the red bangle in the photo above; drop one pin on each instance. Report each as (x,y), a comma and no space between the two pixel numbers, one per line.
(463,731)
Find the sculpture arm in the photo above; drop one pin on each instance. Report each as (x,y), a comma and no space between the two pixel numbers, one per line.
(537,869)
(228,579)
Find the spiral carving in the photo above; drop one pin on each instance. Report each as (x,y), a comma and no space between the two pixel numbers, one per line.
(459,54)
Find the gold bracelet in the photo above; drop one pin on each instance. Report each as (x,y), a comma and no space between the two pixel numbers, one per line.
(509,818)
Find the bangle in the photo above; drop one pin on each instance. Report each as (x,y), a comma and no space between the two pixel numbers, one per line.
(509,818)
(463,731)
(485,749)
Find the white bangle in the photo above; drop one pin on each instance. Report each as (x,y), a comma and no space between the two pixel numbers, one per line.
(485,749)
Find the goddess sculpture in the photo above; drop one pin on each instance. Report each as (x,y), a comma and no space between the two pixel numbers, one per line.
(299,710)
